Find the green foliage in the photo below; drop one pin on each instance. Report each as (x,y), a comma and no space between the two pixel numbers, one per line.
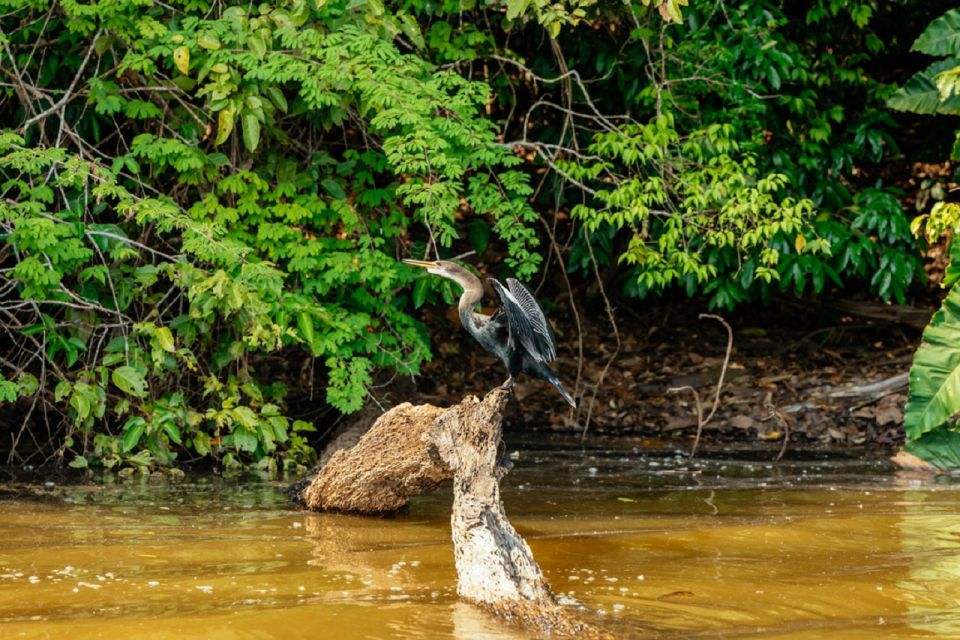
(719,204)
(771,110)
(934,398)
(935,375)
(201,204)
(239,182)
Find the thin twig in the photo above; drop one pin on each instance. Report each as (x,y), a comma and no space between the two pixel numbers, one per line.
(701,421)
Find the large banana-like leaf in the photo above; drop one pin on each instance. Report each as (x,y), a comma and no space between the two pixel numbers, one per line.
(942,36)
(935,375)
(921,94)
(940,447)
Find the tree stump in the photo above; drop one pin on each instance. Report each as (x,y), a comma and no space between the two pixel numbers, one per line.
(412,449)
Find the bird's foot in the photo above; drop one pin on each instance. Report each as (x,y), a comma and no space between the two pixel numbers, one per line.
(503,468)
(508,385)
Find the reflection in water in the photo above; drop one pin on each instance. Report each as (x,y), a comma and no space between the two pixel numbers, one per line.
(651,545)
(930,536)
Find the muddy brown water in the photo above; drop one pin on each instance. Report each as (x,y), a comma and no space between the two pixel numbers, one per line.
(649,544)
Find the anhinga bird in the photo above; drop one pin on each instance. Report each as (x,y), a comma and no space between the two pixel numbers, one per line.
(518,333)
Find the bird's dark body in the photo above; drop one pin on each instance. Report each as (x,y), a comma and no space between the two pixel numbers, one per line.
(495,338)
(517,333)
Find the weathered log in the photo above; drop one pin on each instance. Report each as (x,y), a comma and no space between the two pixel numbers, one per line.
(495,567)
(388,466)
(412,449)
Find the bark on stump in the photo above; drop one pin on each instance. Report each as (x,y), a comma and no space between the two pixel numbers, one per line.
(412,449)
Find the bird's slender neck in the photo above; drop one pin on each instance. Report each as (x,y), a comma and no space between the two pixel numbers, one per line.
(471,296)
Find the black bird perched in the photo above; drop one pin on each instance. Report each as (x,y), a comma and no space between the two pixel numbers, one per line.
(518,333)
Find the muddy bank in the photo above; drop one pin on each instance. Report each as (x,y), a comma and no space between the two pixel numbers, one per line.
(814,374)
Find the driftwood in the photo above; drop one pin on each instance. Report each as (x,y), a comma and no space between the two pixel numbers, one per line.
(412,449)
(388,466)
(872,392)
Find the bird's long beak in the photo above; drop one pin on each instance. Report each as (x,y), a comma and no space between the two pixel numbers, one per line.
(422,264)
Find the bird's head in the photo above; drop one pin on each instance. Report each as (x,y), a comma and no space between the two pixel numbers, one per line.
(441,268)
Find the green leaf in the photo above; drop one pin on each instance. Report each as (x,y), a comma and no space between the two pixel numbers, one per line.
(940,447)
(173,431)
(420,289)
(208,42)
(79,463)
(133,430)
(333,189)
(305,326)
(246,417)
(935,375)
(941,37)
(27,384)
(224,125)
(130,381)
(921,95)
(251,131)
(276,97)
(515,8)
(165,339)
(411,28)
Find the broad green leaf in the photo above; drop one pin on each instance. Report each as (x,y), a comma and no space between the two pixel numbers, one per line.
(130,381)
(246,417)
(921,95)
(941,37)
(251,131)
(173,431)
(79,463)
(478,232)
(411,28)
(935,375)
(940,447)
(133,430)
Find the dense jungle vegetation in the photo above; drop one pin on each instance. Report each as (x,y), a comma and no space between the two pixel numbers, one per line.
(194,192)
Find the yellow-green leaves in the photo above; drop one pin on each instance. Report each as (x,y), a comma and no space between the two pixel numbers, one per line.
(181,59)
(224,125)
(130,381)
(209,42)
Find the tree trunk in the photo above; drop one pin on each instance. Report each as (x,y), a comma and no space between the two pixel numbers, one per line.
(412,449)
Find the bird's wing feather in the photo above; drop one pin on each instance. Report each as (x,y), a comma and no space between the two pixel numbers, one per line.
(521,331)
(542,335)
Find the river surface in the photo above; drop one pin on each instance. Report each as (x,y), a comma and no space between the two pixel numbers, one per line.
(648,543)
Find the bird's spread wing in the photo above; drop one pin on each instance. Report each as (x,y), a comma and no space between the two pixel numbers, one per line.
(521,333)
(529,330)
(542,335)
